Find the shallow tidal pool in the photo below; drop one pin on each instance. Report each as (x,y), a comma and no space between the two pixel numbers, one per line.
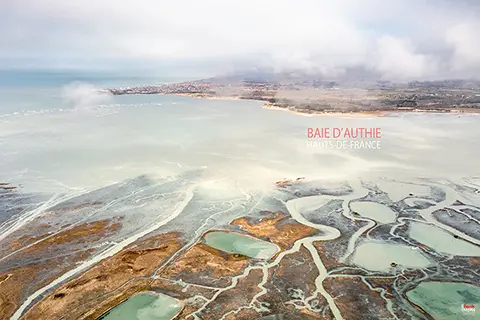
(376,211)
(239,244)
(378,256)
(145,306)
(441,240)
(444,300)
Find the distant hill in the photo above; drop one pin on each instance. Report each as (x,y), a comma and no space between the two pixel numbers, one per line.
(351,78)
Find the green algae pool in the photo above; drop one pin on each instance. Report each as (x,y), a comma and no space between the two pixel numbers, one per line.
(145,306)
(376,211)
(444,300)
(441,241)
(239,244)
(378,256)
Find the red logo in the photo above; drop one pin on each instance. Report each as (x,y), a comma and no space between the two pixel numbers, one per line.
(468,307)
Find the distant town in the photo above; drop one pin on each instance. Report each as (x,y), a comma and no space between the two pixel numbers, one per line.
(329,96)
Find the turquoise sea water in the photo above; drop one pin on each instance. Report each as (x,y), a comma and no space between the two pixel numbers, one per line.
(23,91)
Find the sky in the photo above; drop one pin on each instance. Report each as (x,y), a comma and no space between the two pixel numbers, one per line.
(396,39)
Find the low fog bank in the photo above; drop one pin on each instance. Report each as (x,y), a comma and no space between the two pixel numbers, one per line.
(230,142)
(83,96)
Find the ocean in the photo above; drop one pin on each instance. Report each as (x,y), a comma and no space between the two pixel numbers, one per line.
(56,128)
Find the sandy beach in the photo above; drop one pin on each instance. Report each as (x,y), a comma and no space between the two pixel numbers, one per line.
(352,114)
(373,113)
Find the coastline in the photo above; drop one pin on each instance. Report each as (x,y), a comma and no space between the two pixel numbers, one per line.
(346,114)
(202,96)
(333,113)
(367,113)
(350,114)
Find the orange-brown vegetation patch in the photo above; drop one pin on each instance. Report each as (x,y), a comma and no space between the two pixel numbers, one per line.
(26,279)
(288,182)
(142,285)
(209,262)
(328,257)
(475,260)
(18,283)
(76,207)
(92,311)
(4,277)
(383,283)
(201,267)
(76,297)
(86,232)
(372,306)
(276,228)
(241,295)
(296,271)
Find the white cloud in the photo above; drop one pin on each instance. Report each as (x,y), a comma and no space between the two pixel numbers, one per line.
(465,41)
(401,38)
(399,60)
(83,96)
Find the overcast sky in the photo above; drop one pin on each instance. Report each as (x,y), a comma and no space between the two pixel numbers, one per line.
(401,39)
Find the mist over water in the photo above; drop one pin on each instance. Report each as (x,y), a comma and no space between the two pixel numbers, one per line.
(236,141)
(32,92)
(84,96)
